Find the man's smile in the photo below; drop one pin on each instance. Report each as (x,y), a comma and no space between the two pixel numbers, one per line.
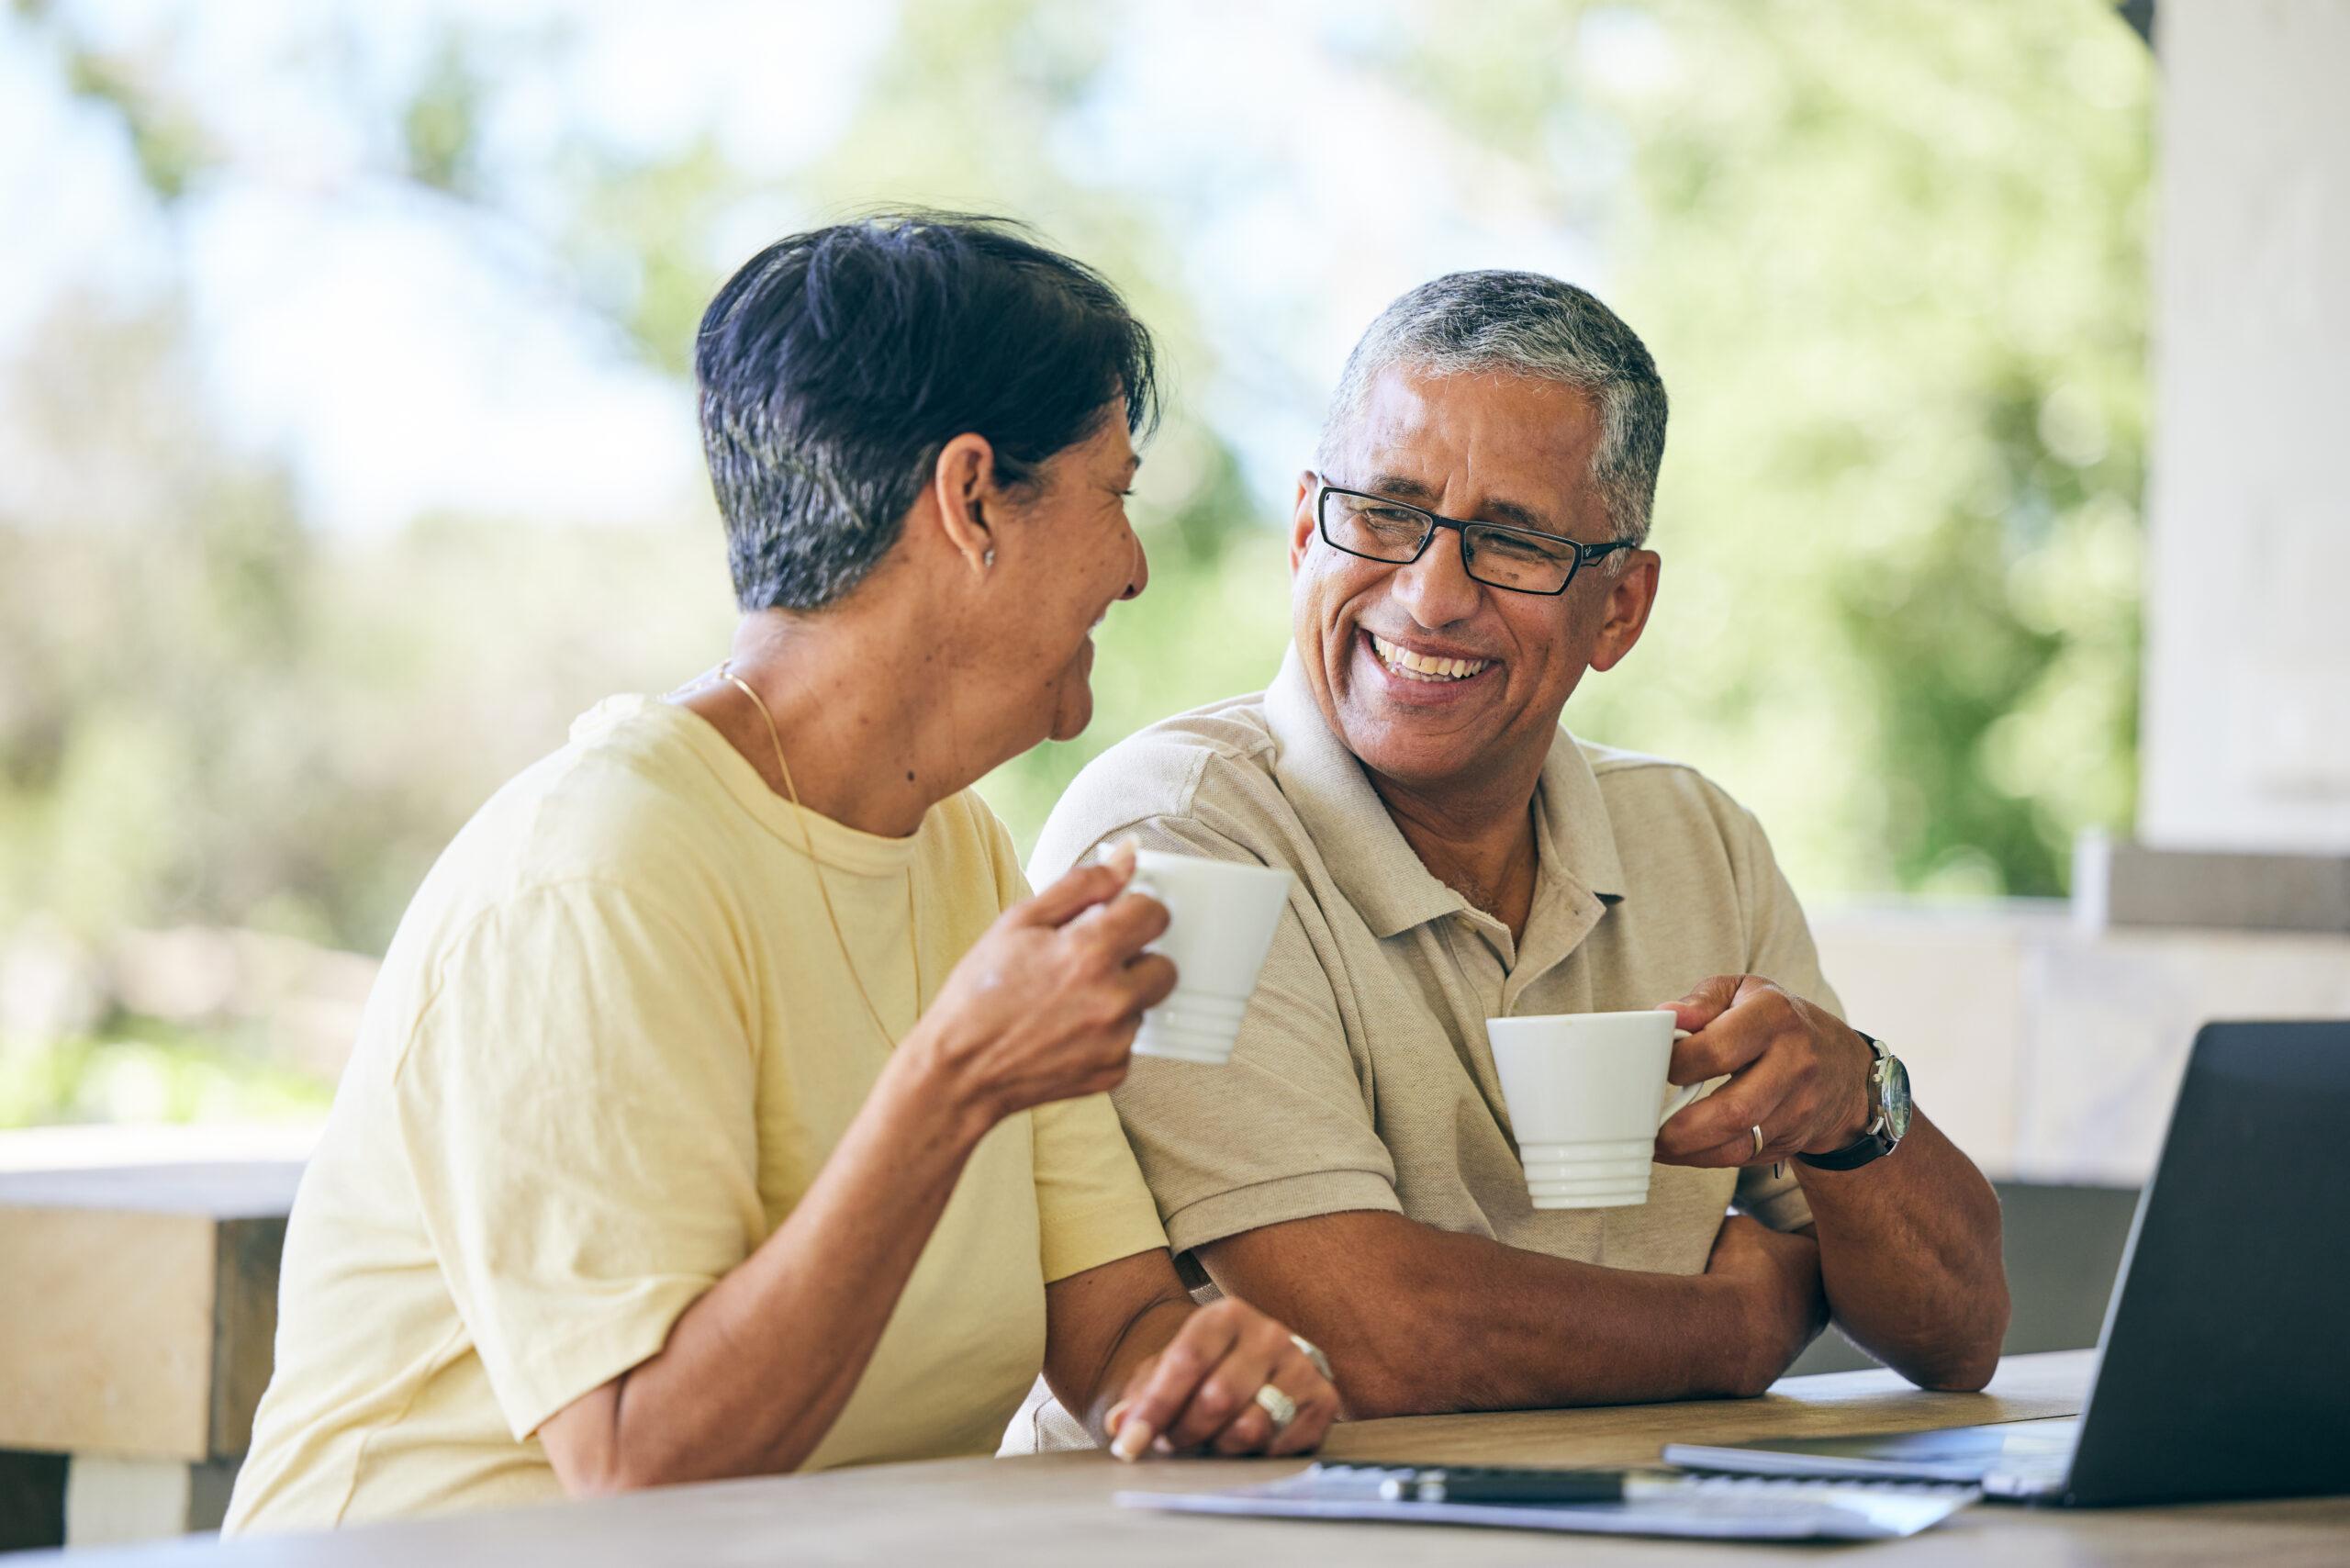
(1419,674)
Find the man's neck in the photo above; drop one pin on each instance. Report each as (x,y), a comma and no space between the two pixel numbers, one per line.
(1479,843)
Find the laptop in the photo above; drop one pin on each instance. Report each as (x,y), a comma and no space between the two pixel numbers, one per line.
(2223,1367)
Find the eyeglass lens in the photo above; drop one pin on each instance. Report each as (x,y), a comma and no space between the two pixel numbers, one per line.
(1388,530)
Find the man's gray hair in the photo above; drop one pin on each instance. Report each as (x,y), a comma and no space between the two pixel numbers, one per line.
(1515,323)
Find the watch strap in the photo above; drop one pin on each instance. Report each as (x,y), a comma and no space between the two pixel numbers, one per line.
(1862,1151)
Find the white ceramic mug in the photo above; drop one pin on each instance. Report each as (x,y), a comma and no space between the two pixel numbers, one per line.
(1586,1093)
(1221,922)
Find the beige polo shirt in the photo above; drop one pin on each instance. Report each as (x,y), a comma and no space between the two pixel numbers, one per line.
(1362,1078)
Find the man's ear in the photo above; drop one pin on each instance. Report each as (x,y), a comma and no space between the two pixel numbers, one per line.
(1624,614)
(963,488)
(1301,522)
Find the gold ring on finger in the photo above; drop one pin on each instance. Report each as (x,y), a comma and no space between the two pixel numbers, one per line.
(1277,1404)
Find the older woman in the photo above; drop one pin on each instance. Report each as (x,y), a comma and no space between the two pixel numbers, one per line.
(726,1106)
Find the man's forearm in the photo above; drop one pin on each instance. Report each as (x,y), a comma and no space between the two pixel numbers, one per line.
(1417,1320)
(1910,1251)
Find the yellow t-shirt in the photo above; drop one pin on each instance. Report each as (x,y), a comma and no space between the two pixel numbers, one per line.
(612,1043)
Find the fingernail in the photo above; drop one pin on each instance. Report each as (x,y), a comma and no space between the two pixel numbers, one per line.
(1131,1438)
(1120,857)
(1160,1445)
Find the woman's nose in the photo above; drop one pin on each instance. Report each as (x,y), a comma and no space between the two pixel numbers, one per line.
(1141,579)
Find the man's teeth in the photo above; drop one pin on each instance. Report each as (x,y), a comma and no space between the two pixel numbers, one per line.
(1418,666)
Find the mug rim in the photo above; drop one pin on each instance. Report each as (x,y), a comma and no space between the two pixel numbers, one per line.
(1671,1017)
(1242,866)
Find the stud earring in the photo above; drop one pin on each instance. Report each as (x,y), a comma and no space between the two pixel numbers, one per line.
(987,557)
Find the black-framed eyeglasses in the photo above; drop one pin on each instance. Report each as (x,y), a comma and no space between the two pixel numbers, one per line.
(1518,559)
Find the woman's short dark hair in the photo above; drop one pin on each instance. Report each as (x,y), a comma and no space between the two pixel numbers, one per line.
(838,363)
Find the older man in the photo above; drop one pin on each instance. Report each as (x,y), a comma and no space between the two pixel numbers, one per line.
(1468,544)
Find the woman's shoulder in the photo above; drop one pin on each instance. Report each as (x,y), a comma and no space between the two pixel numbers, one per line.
(627,800)
(963,840)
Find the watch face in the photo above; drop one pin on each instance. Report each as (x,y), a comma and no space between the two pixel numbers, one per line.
(1894,1090)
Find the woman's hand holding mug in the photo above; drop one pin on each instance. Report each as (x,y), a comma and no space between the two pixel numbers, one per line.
(1045,1005)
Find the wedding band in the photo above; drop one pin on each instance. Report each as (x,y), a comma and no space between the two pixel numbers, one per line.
(1313,1353)
(1758,1140)
(1279,1405)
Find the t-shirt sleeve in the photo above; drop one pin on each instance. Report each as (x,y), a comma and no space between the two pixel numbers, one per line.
(1280,1132)
(577,1107)
(1092,1205)
(1779,948)
(1003,858)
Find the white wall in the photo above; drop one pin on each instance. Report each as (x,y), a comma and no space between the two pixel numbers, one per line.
(2247,682)
(2049,1053)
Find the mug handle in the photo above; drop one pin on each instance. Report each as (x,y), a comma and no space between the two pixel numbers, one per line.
(1683,1097)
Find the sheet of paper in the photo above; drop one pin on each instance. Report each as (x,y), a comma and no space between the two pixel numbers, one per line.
(1708,1507)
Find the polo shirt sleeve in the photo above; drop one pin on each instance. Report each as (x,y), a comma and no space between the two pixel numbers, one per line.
(1780,949)
(576,1109)
(1280,1132)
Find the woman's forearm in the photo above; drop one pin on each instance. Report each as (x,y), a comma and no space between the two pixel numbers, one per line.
(756,1371)
(1126,1336)
(1103,1324)
(1043,1007)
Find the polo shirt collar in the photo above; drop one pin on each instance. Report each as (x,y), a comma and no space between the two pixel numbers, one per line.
(1582,847)
(1368,855)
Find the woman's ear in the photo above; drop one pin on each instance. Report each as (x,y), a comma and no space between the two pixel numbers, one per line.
(963,486)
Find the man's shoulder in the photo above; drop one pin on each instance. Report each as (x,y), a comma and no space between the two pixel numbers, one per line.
(1642,790)
(1160,771)
(1172,769)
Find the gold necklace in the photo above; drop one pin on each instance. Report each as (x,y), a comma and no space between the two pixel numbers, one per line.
(808,844)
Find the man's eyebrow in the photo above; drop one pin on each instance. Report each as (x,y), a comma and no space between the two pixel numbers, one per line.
(1403,489)
(1523,517)
(1510,512)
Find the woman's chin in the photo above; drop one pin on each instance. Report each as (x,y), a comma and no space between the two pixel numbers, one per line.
(1076,712)
(1073,699)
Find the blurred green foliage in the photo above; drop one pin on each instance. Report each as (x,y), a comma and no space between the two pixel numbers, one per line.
(145,1072)
(1891,260)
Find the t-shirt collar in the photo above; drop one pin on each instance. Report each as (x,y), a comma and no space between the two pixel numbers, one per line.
(801,830)
(1368,855)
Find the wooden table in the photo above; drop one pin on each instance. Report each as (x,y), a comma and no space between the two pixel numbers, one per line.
(1057,1509)
(138,1302)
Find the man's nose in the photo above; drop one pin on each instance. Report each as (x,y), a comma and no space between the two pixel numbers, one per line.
(1436,589)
